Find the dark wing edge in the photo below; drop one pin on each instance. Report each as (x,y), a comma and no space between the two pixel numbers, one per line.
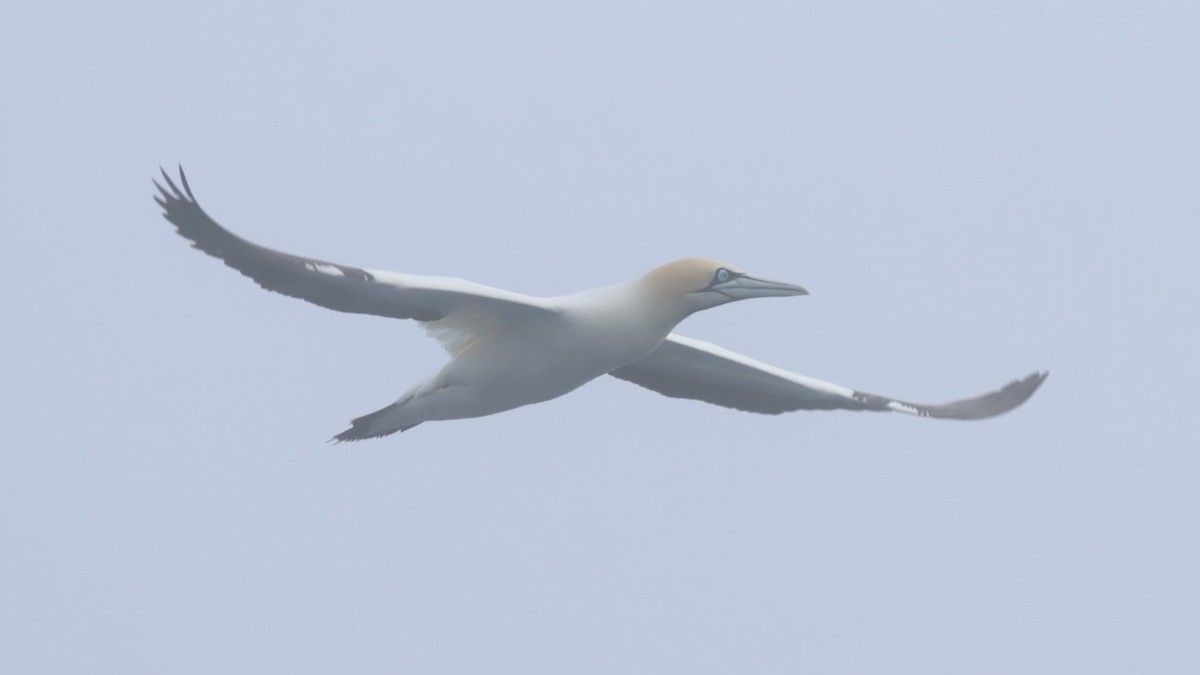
(338,287)
(981,407)
(686,368)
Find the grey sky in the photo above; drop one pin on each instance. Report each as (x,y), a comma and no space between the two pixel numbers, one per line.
(970,193)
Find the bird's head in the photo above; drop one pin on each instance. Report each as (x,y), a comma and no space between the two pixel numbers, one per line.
(693,284)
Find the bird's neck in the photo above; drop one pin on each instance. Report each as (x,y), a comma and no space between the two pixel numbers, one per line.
(627,314)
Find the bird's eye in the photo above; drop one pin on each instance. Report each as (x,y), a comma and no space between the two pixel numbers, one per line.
(722,275)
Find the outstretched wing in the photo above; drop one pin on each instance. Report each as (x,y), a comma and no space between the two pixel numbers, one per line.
(339,287)
(685,368)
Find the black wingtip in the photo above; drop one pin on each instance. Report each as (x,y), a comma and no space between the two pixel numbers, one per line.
(1033,380)
(992,404)
(178,194)
(1007,398)
(183,179)
(353,435)
(1038,377)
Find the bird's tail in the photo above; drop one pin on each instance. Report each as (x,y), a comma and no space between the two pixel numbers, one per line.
(378,424)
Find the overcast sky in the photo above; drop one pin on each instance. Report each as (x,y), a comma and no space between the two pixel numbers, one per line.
(971,191)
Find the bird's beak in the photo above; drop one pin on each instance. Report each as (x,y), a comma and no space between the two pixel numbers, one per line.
(745,286)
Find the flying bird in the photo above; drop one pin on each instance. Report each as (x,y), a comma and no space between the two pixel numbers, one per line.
(509,350)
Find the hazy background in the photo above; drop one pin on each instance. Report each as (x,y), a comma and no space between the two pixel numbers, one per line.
(970,193)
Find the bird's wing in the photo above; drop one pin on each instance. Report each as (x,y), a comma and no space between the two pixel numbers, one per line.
(341,287)
(685,368)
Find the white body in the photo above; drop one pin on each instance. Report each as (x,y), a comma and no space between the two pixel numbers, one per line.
(585,335)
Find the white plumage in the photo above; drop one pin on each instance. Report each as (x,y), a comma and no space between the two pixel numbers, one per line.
(508,350)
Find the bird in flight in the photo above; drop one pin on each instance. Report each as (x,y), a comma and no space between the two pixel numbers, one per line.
(508,349)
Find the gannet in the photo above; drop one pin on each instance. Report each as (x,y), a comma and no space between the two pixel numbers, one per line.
(509,350)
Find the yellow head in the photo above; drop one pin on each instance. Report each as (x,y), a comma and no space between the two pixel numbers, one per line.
(693,284)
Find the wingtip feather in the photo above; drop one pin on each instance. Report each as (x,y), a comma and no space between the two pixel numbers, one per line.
(177,193)
(183,179)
